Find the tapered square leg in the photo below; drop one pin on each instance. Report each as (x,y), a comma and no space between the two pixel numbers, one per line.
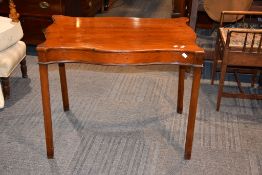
(180,93)
(192,112)
(43,70)
(63,83)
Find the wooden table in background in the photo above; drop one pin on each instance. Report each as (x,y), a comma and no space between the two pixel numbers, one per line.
(120,41)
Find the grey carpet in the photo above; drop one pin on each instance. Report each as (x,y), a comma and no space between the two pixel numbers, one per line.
(123,121)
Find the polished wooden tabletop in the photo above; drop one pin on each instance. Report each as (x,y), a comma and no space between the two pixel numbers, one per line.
(106,35)
(120,41)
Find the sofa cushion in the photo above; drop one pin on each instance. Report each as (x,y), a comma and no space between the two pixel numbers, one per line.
(11,57)
(10,32)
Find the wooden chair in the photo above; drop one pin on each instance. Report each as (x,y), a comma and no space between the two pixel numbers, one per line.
(240,49)
(12,50)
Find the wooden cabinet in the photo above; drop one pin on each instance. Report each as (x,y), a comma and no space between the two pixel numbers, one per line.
(36,15)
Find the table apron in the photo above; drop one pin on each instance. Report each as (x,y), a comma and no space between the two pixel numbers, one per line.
(121,58)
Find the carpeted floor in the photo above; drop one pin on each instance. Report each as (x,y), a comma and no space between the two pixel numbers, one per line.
(123,120)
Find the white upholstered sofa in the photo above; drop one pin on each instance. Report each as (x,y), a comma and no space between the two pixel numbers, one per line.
(12,51)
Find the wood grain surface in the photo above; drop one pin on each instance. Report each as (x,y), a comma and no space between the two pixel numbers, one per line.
(111,40)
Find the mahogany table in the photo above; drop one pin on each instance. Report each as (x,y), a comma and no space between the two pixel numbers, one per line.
(119,41)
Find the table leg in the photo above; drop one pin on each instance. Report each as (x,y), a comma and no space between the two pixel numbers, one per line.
(63,83)
(180,95)
(43,70)
(192,112)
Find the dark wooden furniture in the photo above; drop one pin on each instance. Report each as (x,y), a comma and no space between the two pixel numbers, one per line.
(181,8)
(194,10)
(184,8)
(108,3)
(36,15)
(239,48)
(5,80)
(126,41)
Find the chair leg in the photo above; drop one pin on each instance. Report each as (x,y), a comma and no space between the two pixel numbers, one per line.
(213,71)
(241,90)
(214,66)
(260,80)
(254,78)
(221,85)
(6,87)
(23,68)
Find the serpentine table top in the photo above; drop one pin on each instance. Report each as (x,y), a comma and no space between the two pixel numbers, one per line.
(120,41)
